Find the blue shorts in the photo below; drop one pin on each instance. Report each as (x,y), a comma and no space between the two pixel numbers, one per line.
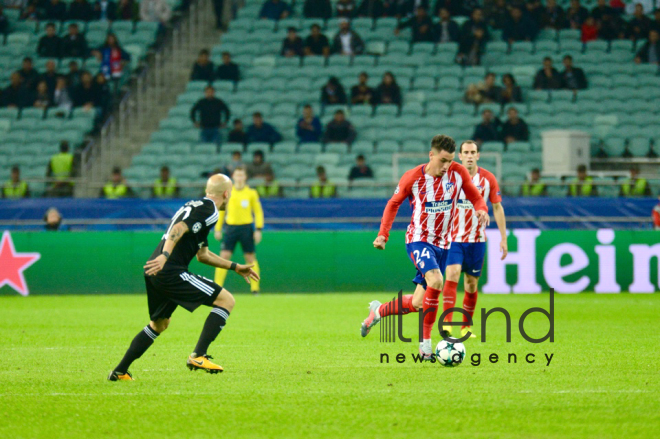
(426,257)
(469,255)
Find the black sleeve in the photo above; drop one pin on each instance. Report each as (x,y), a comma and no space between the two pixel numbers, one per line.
(199,215)
(193,112)
(226,111)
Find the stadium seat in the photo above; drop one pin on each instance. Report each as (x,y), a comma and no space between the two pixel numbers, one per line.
(614,146)
(639,146)
(492,147)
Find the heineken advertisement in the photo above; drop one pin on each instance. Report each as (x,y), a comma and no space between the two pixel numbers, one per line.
(571,261)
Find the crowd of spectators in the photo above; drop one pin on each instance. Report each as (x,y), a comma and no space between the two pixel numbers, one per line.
(491,129)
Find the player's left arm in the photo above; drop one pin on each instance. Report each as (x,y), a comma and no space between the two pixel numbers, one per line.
(206,257)
(153,266)
(498,213)
(258,213)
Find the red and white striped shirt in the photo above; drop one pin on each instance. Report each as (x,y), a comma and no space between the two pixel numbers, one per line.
(465,226)
(432,200)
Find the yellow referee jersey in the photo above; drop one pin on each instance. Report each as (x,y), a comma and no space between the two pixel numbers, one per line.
(243,208)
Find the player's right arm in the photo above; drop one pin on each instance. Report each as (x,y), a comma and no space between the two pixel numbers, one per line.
(402,191)
(153,266)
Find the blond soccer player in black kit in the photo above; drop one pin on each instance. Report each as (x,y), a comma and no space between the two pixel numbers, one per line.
(169,283)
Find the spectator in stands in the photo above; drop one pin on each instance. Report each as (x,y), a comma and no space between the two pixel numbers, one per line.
(602,9)
(128,10)
(474,36)
(553,16)
(534,11)
(62,102)
(50,76)
(165,186)
(360,170)
(103,95)
(582,186)
(309,128)
(339,130)
(156,11)
(49,44)
(237,134)
(317,9)
(203,69)
(55,10)
(53,221)
(511,91)
(259,167)
(347,41)
(292,45)
(228,70)
(30,13)
(489,128)
(533,187)
(213,115)
(455,7)
(105,10)
(323,188)
(497,13)
(345,8)
(84,95)
(270,187)
(80,10)
(547,78)
(236,162)
(4,22)
(15,188)
(635,186)
(640,25)
(573,78)
(219,10)
(14,96)
(576,14)
(41,97)
(610,24)
(514,129)
(362,93)
(650,51)
(519,28)
(113,58)
(421,25)
(655,24)
(483,92)
(29,74)
(74,45)
(589,30)
(274,10)
(116,187)
(317,43)
(373,8)
(60,169)
(261,131)
(446,30)
(73,78)
(333,93)
(388,92)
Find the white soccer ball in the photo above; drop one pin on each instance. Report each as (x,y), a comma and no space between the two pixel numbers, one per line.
(450,354)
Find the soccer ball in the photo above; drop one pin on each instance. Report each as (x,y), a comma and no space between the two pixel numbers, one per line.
(450,354)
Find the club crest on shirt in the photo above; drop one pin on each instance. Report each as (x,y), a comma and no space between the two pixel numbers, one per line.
(421,264)
(396,191)
(449,188)
(245,204)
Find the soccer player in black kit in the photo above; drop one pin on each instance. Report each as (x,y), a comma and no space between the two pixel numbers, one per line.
(170,284)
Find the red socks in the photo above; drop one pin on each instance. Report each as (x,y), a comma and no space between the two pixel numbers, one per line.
(469,304)
(449,298)
(431,297)
(392,307)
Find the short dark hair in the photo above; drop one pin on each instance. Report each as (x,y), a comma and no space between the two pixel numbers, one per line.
(320,169)
(568,57)
(582,168)
(209,86)
(204,52)
(359,157)
(116,170)
(50,24)
(259,153)
(226,53)
(27,58)
(72,25)
(443,143)
(536,171)
(339,112)
(64,146)
(237,121)
(257,114)
(307,106)
(15,168)
(291,29)
(165,168)
(236,152)
(547,58)
(315,26)
(469,141)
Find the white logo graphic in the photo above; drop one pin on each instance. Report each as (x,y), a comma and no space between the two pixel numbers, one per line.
(396,191)
(197,227)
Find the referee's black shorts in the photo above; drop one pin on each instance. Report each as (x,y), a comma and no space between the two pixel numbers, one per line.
(172,288)
(243,234)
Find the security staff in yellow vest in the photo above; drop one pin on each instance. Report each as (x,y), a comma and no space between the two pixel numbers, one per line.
(583,185)
(240,222)
(165,186)
(116,187)
(323,188)
(635,186)
(533,187)
(60,168)
(15,188)
(270,187)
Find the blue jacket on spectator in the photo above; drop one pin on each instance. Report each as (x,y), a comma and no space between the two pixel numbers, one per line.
(273,9)
(309,136)
(266,134)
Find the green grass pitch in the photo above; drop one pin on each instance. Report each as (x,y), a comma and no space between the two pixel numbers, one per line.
(296,366)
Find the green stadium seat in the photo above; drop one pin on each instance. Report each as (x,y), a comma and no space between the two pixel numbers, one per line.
(522,147)
(388,146)
(597,46)
(562,96)
(614,146)
(522,46)
(376,47)
(435,108)
(639,146)
(495,108)
(32,113)
(497,47)
(413,146)
(543,47)
(492,147)
(426,48)
(538,96)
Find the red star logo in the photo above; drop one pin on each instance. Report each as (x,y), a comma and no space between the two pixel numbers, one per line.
(12,265)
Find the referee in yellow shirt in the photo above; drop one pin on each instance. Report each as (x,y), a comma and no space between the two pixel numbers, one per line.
(243,220)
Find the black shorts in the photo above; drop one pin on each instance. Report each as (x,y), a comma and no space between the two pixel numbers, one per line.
(234,234)
(167,290)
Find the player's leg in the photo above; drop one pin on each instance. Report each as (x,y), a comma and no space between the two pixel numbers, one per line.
(434,281)
(472,267)
(455,259)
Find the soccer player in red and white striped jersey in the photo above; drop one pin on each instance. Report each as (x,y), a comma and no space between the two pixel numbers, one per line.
(468,237)
(432,190)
